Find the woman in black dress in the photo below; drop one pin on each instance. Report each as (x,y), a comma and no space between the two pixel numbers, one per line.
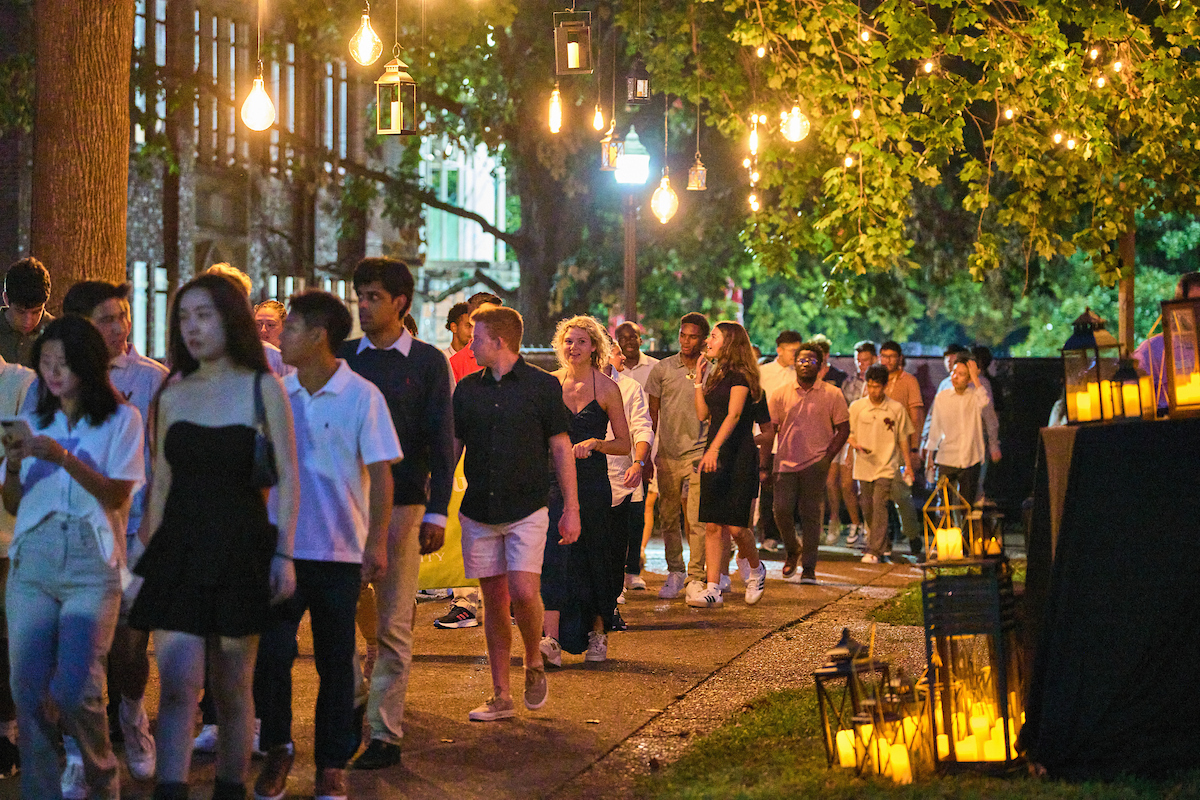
(726,391)
(213,563)
(577,586)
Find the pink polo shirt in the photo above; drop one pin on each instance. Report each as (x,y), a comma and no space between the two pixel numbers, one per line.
(804,422)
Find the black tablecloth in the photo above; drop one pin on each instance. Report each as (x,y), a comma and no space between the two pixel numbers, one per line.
(1115,686)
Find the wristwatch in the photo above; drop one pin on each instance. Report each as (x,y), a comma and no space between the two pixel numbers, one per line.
(640,462)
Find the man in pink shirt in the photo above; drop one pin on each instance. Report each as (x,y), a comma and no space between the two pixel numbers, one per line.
(462,363)
(811,420)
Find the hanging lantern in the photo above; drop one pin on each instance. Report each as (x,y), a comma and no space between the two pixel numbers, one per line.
(1132,384)
(794,124)
(573,42)
(637,83)
(1089,362)
(365,46)
(396,99)
(555,110)
(664,202)
(697,176)
(611,148)
(1181,349)
(258,112)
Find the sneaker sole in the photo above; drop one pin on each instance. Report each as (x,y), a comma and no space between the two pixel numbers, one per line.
(466,623)
(492,717)
(698,604)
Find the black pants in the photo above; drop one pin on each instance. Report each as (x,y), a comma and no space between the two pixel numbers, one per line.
(965,479)
(768,529)
(329,591)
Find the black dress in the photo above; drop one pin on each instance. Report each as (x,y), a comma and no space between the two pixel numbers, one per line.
(577,578)
(727,494)
(207,567)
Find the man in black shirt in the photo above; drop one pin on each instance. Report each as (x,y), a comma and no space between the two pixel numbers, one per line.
(415,380)
(511,418)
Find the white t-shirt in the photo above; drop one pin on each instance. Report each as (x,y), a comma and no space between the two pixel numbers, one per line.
(113,448)
(339,431)
(884,430)
(641,429)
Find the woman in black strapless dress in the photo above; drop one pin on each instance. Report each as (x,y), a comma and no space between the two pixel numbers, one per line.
(577,585)
(213,563)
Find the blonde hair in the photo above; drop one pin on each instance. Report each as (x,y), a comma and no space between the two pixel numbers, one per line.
(595,331)
(736,355)
(234,274)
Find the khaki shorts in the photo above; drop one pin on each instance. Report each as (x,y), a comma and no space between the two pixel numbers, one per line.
(491,550)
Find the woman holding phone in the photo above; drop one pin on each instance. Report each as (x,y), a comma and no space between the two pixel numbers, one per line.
(213,563)
(68,480)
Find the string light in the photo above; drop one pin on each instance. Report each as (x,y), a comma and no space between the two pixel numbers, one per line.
(794,124)
(856,113)
(598,119)
(849,162)
(1070,144)
(754,176)
(1058,138)
(1100,81)
(1094,54)
(754,135)
(762,51)
(1009,113)
(1116,66)
(753,202)
(928,67)
(865,35)
(366,46)
(555,110)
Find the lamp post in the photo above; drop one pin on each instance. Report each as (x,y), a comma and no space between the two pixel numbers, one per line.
(633,168)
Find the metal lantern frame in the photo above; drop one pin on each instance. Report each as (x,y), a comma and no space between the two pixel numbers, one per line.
(975,666)
(1181,356)
(396,100)
(612,147)
(840,694)
(697,176)
(946,511)
(1133,397)
(1090,359)
(637,83)
(573,27)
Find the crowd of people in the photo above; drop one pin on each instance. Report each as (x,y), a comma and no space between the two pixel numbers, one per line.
(276,468)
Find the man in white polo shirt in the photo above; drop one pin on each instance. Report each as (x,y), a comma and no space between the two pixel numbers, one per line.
(346,444)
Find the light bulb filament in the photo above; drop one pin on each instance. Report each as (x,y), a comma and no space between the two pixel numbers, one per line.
(365,45)
(555,110)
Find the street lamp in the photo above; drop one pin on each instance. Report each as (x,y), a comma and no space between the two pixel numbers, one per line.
(633,169)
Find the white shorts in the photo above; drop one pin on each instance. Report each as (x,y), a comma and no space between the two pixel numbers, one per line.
(491,550)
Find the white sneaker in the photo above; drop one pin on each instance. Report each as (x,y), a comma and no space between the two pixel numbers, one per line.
(621,598)
(673,586)
(139,744)
(725,585)
(206,741)
(254,749)
(743,565)
(870,558)
(834,533)
(73,782)
(852,534)
(597,647)
(634,582)
(694,589)
(709,598)
(551,652)
(756,584)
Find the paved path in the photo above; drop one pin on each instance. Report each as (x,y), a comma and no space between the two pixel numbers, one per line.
(596,712)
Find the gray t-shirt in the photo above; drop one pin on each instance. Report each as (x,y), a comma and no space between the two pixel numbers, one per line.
(680,433)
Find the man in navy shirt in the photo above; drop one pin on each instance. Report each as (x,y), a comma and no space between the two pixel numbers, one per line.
(415,380)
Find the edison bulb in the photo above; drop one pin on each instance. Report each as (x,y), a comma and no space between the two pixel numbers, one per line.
(1008,113)
(795,125)
(753,141)
(258,112)
(856,113)
(365,45)
(1116,67)
(555,110)
(762,51)
(664,202)
(598,119)
(849,162)
(928,67)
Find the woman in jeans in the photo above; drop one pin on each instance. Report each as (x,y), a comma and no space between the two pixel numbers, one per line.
(69,486)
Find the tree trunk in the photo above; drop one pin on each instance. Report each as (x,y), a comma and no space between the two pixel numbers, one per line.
(1128,254)
(81,145)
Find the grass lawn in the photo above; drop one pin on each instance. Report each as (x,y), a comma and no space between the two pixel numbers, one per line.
(773,750)
(905,607)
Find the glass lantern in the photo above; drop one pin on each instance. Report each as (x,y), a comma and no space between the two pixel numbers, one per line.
(396,100)
(840,692)
(1090,359)
(1180,349)
(637,83)
(697,176)
(611,148)
(573,42)
(1131,391)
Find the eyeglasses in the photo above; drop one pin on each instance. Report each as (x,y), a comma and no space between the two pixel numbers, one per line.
(807,361)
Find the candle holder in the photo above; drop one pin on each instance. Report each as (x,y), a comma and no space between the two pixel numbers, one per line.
(953,527)
(1180,350)
(573,42)
(842,685)
(1090,359)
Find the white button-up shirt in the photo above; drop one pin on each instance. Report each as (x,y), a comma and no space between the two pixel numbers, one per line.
(956,430)
(641,429)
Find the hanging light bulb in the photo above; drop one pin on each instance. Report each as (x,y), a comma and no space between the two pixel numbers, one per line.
(849,162)
(928,67)
(258,112)
(598,119)
(664,202)
(365,45)
(856,113)
(1117,65)
(555,110)
(1057,137)
(762,51)
(794,124)
(1009,113)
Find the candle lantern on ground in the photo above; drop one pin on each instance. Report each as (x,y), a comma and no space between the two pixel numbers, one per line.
(396,99)
(1132,391)
(1089,362)
(893,735)
(842,684)
(1180,350)
(952,527)
(573,42)
(976,694)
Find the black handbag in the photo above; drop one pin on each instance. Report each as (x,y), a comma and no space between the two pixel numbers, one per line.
(264,473)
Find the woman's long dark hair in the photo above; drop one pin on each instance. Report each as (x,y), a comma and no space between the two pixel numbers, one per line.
(737,355)
(242,344)
(87,356)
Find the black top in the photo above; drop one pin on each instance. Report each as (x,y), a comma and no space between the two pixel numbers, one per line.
(506,427)
(417,390)
(835,376)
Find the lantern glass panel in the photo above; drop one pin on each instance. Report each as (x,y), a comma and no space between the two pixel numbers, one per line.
(637,84)
(396,101)
(1181,349)
(611,149)
(573,43)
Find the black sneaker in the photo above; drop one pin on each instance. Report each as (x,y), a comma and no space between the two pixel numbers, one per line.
(10,758)
(618,624)
(459,616)
(378,755)
(808,577)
